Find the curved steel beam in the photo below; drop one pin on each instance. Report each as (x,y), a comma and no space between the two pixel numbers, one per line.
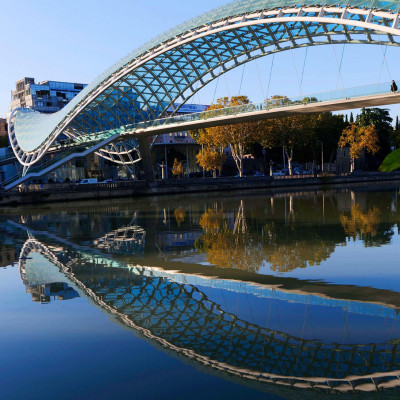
(175,69)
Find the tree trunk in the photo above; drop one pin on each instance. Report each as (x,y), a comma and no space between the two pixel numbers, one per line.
(289,156)
(214,173)
(237,154)
(241,160)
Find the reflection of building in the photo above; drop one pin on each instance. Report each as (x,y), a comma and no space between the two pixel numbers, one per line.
(44,293)
(176,240)
(45,97)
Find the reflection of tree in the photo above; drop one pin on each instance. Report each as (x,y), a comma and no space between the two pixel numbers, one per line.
(361,225)
(299,254)
(285,247)
(212,220)
(227,248)
(291,246)
(179,215)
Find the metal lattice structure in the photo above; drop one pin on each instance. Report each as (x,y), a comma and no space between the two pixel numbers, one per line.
(181,318)
(173,67)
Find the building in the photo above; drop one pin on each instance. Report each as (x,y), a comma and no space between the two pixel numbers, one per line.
(178,145)
(3,127)
(3,133)
(46,96)
(51,96)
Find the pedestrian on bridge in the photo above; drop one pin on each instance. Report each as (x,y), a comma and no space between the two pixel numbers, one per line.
(393,88)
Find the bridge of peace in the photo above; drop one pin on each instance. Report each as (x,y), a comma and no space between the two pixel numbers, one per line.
(116,114)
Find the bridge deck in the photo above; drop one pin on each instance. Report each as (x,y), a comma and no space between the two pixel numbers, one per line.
(201,120)
(367,96)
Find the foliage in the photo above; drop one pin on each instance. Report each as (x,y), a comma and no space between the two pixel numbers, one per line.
(180,215)
(359,138)
(382,121)
(177,168)
(394,136)
(391,162)
(210,159)
(237,136)
(291,133)
(361,225)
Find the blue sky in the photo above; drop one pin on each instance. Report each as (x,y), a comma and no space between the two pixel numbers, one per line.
(77,40)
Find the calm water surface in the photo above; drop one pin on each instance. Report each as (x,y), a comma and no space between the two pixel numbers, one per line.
(252,296)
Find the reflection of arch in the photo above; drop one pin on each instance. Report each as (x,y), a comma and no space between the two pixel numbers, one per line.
(129,240)
(180,317)
(174,66)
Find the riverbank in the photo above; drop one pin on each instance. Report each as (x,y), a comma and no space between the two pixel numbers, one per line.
(39,194)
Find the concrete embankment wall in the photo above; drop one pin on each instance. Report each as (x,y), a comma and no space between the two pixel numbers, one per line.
(39,194)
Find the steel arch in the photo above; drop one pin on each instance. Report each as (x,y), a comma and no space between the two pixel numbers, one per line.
(177,65)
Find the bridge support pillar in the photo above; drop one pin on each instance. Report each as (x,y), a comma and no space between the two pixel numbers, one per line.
(147,161)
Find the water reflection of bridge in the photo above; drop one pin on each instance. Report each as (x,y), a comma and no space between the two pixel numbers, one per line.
(178,312)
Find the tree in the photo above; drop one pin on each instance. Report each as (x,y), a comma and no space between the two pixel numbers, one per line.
(382,121)
(391,162)
(394,135)
(358,138)
(237,136)
(177,168)
(291,133)
(210,159)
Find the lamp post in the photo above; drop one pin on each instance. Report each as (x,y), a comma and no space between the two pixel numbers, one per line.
(264,152)
(322,154)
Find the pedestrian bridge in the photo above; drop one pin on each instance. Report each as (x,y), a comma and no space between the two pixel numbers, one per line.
(130,100)
(357,97)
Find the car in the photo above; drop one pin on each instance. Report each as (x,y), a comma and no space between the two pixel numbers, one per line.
(88,181)
(238,176)
(107,181)
(259,174)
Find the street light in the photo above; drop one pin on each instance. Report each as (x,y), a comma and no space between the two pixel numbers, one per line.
(322,154)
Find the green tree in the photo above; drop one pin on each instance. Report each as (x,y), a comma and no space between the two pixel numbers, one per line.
(295,133)
(394,136)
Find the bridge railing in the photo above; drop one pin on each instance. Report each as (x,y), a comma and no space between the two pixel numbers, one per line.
(268,104)
(85,144)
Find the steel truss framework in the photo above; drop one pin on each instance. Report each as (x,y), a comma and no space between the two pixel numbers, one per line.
(181,318)
(174,67)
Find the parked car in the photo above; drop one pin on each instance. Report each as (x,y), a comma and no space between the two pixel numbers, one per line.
(88,181)
(107,181)
(258,174)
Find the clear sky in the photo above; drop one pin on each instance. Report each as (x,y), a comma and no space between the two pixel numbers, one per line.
(77,40)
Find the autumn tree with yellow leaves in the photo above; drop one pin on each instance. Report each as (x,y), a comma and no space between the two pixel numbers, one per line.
(210,159)
(177,168)
(359,138)
(235,136)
